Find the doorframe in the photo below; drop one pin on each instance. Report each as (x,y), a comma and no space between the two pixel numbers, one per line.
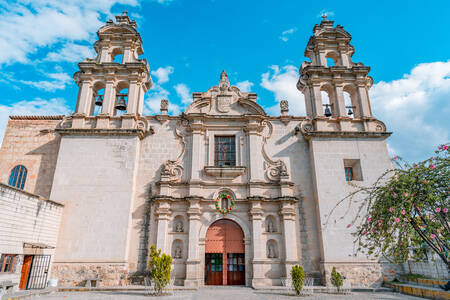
(247,243)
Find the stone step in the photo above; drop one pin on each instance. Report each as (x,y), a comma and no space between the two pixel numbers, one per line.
(426,292)
(426,282)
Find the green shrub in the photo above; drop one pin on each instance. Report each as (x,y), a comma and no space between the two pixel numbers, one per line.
(159,266)
(298,278)
(336,279)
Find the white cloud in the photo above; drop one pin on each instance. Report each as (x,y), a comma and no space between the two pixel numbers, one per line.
(183,92)
(59,82)
(244,86)
(28,26)
(38,106)
(72,53)
(162,74)
(325,12)
(415,108)
(283,83)
(285,34)
(153,101)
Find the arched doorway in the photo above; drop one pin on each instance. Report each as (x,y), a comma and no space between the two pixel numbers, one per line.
(224,254)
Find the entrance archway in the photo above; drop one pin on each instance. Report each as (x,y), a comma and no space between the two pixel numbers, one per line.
(224,254)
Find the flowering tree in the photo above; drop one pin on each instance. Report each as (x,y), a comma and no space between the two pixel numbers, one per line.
(405,209)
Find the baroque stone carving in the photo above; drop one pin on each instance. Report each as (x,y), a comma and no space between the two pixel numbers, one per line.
(284,107)
(178,252)
(173,169)
(179,227)
(271,251)
(275,169)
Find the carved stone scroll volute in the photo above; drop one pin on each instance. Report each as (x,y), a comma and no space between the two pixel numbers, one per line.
(275,169)
(173,169)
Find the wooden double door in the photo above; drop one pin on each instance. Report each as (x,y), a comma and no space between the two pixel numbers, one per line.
(219,266)
(224,254)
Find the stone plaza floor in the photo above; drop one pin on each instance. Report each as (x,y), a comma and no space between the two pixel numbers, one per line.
(220,293)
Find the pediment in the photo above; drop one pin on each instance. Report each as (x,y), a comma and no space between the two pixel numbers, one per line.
(225,99)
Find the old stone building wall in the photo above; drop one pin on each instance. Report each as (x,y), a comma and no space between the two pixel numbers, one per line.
(29,226)
(31,141)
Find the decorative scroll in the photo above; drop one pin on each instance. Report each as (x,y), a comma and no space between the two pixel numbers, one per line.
(275,169)
(173,169)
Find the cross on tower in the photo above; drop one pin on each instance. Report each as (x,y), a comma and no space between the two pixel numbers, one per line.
(124,13)
(324,17)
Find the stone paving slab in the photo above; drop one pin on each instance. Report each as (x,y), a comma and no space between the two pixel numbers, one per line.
(220,293)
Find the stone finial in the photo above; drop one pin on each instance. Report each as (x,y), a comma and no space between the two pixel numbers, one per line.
(284,107)
(164,107)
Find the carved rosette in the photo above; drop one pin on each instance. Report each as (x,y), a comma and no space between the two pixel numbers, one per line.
(306,126)
(173,169)
(275,169)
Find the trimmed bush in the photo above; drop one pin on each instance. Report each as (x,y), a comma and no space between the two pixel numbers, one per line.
(336,279)
(298,278)
(159,266)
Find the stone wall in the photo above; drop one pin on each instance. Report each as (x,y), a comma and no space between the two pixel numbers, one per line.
(364,274)
(26,218)
(76,274)
(31,141)
(435,269)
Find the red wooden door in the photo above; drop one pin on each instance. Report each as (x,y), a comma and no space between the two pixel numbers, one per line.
(25,271)
(213,268)
(224,241)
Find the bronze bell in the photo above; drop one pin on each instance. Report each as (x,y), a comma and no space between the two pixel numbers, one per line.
(350,112)
(121,105)
(327,110)
(99,100)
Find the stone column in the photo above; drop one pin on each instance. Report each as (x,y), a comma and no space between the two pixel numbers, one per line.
(127,54)
(162,216)
(197,150)
(256,172)
(109,100)
(84,102)
(317,101)
(259,257)
(287,213)
(340,101)
(193,272)
(363,101)
(104,54)
(133,94)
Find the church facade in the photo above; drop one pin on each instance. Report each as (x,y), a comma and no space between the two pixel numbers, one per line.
(234,195)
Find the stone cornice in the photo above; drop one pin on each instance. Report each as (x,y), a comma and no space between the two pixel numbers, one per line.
(102,132)
(57,117)
(345,134)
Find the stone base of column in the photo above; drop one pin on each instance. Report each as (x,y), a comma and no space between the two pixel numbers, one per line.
(193,278)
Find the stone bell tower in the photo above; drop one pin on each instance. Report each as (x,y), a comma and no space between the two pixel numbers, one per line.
(115,81)
(347,145)
(332,74)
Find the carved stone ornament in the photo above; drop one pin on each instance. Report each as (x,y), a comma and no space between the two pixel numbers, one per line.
(164,106)
(179,227)
(306,126)
(178,252)
(173,169)
(284,106)
(275,169)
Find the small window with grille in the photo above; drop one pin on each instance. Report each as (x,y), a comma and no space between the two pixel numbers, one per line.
(225,153)
(18,177)
(7,263)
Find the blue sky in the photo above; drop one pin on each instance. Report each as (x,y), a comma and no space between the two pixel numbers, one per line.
(259,43)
